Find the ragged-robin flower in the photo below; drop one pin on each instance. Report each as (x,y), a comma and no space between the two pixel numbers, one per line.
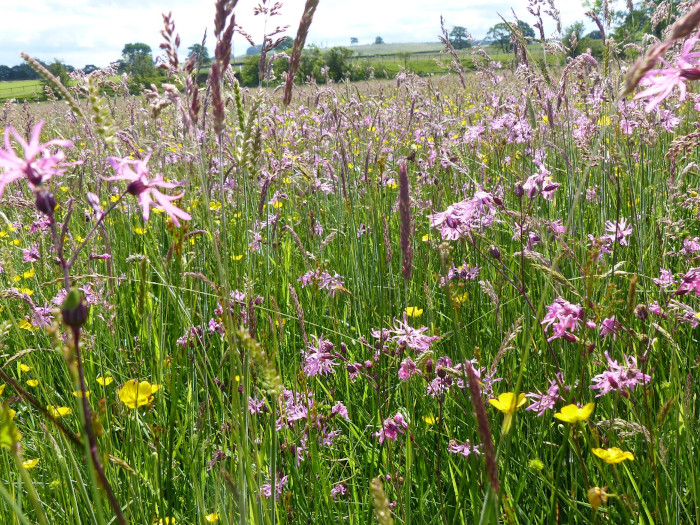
(620,378)
(563,318)
(38,164)
(145,190)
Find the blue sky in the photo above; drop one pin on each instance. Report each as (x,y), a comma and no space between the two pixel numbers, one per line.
(83,32)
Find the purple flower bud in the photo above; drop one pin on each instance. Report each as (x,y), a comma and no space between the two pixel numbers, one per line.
(45,203)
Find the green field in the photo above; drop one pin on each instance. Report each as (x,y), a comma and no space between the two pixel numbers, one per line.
(20,89)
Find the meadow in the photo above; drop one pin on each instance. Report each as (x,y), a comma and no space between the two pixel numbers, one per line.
(465,299)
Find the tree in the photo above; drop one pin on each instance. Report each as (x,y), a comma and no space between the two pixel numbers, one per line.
(201,54)
(59,70)
(23,72)
(354,40)
(287,43)
(336,60)
(500,35)
(573,38)
(5,73)
(378,40)
(526,29)
(460,38)
(595,35)
(137,60)
(253,50)
(89,68)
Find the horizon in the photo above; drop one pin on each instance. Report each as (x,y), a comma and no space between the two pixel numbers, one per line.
(76,35)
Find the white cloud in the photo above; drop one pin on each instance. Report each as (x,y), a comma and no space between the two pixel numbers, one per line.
(94,31)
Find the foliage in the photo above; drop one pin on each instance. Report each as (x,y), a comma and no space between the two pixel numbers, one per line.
(460,38)
(201,54)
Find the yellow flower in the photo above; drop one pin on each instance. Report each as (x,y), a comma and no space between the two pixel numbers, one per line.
(24,324)
(134,394)
(597,497)
(574,414)
(413,311)
(24,368)
(12,413)
(58,411)
(277,205)
(30,463)
(426,237)
(139,231)
(2,389)
(166,521)
(211,518)
(236,257)
(214,205)
(612,455)
(104,381)
(79,394)
(32,382)
(430,419)
(29,274)
(506,402)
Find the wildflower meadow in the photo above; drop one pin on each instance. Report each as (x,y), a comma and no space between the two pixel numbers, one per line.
(458,299)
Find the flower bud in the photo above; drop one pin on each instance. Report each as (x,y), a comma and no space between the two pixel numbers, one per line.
(519,190)
(45,203)
(495,252)
(74,309)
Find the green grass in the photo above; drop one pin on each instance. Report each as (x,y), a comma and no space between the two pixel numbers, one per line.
(20,89)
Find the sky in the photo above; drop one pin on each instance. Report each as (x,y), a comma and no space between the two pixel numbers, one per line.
(81,32)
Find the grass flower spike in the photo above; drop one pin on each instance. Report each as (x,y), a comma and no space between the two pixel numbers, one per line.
(574,414)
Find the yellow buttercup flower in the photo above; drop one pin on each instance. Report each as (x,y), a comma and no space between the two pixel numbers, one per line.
(613,455)
(211,518)
(413,311)
(33,382)
(79,394)
(24,368)
(506,402)
(58,411)
(2,389)
(574,414)
(30,463)
(105,381)
(134,394)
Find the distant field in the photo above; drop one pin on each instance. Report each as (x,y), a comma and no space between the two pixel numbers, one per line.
(19,89)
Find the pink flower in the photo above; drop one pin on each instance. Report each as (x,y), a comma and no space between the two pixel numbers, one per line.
(544,402)
(407,369)
(563,318)
(610,326)
(413,338)
(620,378)
(660,82)
(145,189)
(318,359)
(38,163)
(618,231)
(465,449)
(391,428)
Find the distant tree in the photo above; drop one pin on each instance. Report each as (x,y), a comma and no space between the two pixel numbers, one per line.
(354,40)
(5,73)
(23,72)
(499,35)
(253,50)
(336,60)
(287,43)
(201,54)
(137,60)
(595,35)
(89,68)
(526,29)
(378,40)
(573,38)
(311,64)
(460,38)
(59,70)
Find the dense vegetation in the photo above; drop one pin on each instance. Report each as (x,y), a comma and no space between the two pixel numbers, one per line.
(468,299)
